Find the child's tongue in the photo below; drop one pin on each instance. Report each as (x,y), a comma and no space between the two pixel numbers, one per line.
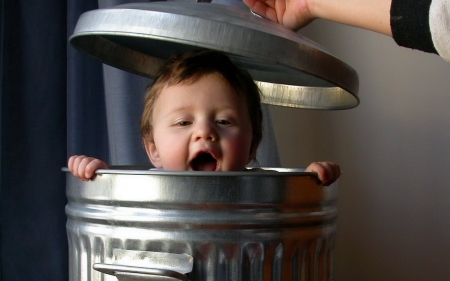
(204,162)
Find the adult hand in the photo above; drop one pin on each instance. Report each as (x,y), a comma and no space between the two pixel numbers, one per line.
(293,14)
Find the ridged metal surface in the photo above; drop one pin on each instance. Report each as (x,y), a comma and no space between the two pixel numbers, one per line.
(237,226)
(290,69)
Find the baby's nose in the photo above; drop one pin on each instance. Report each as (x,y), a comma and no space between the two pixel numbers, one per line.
(206,131)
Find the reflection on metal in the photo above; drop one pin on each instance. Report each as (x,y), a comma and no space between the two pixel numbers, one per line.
(132,273)
(301,97)
(269,224)
(131,265)
(138,38)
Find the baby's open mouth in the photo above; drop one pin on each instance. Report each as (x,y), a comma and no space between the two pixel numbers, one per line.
(204,162)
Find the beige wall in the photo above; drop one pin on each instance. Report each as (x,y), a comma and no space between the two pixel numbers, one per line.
(394,150)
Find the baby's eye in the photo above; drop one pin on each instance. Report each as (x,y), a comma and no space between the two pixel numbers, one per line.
(223,122)
(183,123)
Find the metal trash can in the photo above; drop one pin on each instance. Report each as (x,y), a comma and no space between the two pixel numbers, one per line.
(135,224)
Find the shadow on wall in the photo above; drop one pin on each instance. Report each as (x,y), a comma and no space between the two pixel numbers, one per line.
(394,150)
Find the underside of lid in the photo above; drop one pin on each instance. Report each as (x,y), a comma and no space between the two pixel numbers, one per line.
(289,69)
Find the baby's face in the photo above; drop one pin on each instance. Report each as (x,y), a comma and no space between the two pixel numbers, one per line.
(204,126)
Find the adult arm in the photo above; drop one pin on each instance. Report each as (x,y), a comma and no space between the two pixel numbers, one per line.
(417,24)
(295,14)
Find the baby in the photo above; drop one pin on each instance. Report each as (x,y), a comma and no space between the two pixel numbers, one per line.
(201,113)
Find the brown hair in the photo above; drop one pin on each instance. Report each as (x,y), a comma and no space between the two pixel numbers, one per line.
(191,66)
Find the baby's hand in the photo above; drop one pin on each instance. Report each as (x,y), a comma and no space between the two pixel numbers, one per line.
(84,167)
(327,172)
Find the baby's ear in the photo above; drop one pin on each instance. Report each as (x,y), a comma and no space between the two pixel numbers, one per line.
(153,154)
(252,154)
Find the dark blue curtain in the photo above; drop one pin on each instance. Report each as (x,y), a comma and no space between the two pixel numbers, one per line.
(56,102)
(43,82)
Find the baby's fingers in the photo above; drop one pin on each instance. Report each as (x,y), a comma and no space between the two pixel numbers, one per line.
(327,172)
(80,164)
(92,166)
(74,163)
(84,167)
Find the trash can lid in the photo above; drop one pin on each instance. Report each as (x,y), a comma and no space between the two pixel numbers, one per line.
(289,69)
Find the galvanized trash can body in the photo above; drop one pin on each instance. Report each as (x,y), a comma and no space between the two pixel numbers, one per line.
(254,225)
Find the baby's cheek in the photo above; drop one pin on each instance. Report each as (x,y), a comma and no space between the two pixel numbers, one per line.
(171,153)
(240,149)
(175,157)
(245,142)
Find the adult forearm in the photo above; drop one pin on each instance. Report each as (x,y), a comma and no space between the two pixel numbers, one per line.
(368,14)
